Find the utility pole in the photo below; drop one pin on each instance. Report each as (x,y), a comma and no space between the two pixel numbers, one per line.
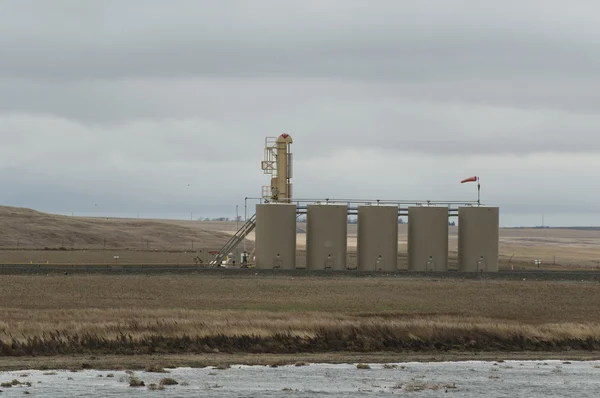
(245,218)
(237,218)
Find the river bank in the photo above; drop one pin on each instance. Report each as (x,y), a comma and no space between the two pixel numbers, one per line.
(150,362)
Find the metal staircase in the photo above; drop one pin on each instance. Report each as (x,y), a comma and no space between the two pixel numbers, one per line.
(234,241)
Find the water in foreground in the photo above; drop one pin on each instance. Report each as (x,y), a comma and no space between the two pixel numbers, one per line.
(529,379)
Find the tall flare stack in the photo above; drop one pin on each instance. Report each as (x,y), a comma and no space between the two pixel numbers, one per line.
(278,163)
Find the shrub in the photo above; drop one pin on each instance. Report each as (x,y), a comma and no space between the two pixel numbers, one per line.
(135,382)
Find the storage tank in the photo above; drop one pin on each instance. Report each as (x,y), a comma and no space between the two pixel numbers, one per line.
(478,236)
(428,239)
(377,247)
(326,236)
(275,245)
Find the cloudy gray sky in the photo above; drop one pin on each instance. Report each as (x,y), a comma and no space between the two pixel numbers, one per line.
(162,107)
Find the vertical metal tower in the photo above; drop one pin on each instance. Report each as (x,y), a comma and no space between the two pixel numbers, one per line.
(278,163)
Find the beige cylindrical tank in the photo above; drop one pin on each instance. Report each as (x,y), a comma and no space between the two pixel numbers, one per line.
(428,239)
(275,236)
(377,247)
(478,237)
(326,236)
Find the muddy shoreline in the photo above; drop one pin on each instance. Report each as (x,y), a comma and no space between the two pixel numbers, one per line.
(142,362)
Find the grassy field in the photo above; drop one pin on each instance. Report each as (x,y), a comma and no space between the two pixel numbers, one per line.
(30,229)
(86,240)
(70,320)
(122,315)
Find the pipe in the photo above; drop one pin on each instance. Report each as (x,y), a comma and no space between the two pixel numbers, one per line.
(380,201)
(354,211)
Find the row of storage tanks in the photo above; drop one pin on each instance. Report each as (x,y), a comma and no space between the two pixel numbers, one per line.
(377,244)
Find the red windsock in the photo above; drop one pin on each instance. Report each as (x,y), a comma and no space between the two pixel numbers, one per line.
(470,179)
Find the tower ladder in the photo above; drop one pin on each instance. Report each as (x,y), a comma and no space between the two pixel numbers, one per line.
(234,241)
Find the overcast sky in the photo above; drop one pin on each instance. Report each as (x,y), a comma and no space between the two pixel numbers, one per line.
(162,107)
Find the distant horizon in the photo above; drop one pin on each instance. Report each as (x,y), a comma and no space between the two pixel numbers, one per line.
(200,216)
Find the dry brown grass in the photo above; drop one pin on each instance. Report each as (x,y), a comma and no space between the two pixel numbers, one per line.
(141,314)
(149,241)
(60,298)
(83,257)
(26,228)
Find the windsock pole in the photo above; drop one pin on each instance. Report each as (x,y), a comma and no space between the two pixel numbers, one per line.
(473,179)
